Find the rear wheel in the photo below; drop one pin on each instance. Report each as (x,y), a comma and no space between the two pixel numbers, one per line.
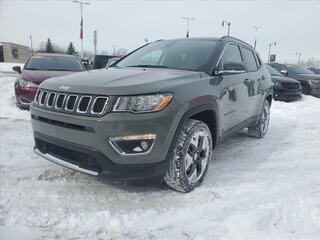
(260,128)
(191,159)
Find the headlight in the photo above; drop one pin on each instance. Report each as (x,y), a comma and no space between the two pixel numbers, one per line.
(26,84)
(277,84)
(143,103)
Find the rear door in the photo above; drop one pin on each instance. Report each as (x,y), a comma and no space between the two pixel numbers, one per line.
(255,76)
(233,91)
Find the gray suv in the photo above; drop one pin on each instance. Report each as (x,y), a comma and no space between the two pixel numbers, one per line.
(157,113)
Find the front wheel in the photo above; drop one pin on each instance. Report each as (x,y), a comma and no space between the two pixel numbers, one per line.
(260,128)
(191,158)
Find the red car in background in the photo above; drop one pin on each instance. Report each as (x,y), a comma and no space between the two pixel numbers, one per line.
(38,68)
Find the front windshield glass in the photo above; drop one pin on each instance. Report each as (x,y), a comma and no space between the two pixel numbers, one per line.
(54,63)
(188,54)
(273,71)
(298,69)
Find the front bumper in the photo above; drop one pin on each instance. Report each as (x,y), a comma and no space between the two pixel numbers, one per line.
(84,141)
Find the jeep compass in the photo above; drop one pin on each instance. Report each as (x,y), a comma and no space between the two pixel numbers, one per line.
(157,113)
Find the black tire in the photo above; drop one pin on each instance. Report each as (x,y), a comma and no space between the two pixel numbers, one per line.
(189,163)
(260,128)
(306,89)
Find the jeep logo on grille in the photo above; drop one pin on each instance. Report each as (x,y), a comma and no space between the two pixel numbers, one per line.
(63,87)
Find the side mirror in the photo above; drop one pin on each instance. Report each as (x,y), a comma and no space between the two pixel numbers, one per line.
(284,72)
(17,69)
(231,68)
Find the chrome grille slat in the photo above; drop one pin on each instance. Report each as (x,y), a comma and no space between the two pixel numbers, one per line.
(43,98)
(95,102)
(67,102)
(49,96)
(57,101)
(87,105)
(73,103)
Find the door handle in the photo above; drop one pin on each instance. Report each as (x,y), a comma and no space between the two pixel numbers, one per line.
(246,82)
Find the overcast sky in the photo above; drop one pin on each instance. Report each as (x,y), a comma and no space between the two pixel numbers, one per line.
(294,25)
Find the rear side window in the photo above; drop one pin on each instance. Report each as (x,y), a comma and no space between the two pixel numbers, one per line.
(249,59)
(231,54)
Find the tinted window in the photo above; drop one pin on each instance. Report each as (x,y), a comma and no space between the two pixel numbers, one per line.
(250,60)
(54,63)
(230,54)
(189,54)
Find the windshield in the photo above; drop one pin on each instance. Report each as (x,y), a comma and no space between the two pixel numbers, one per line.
(188,54)
(273,71)
(299,70)
(54,63)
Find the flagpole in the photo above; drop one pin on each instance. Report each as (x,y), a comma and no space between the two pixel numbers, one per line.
(81,23)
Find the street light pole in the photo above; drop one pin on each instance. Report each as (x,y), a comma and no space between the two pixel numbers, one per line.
(31,48)
(188,19)
(299,53)
(81,23)
(228,23)
(270,45)
(255,39)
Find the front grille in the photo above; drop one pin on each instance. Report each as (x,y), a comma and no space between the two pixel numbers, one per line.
(81,159)
(72,103)
(291,85)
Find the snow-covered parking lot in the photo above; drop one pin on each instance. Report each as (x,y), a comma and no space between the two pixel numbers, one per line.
(256,189)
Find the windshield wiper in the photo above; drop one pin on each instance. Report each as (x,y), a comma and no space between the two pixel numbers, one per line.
(148,66)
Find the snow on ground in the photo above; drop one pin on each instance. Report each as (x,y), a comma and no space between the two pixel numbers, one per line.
(256,189)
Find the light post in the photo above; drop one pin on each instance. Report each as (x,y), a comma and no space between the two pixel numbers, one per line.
(299,54)
(255,39)
(228,23)
(270,45)
(81,23)
(114,50)
(31,48)
(188,19)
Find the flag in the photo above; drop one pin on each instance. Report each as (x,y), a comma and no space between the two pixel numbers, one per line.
(81,29)
(187,34)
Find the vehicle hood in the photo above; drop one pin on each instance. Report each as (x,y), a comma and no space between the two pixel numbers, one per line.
(283,79)
(120,81)
(308,76)
(38,76)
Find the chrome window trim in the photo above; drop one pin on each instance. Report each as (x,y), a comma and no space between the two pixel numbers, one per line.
(43,104)
(55,94)
(67,100)
(78,110)
(64,99)
(219,59)
(104,107)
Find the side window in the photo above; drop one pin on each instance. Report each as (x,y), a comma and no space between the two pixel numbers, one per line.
(231,54)
(249,59)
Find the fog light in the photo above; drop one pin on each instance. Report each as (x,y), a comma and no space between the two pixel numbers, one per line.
(134,144)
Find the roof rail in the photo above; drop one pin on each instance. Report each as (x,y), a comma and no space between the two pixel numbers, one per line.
(237,39)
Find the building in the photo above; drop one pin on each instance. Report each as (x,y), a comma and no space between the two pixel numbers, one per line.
(13,53)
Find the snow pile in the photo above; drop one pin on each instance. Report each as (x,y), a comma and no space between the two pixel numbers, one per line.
(256,188)
(7,67)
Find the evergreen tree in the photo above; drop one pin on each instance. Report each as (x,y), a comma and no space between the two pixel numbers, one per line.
(49,46)
(71,49)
